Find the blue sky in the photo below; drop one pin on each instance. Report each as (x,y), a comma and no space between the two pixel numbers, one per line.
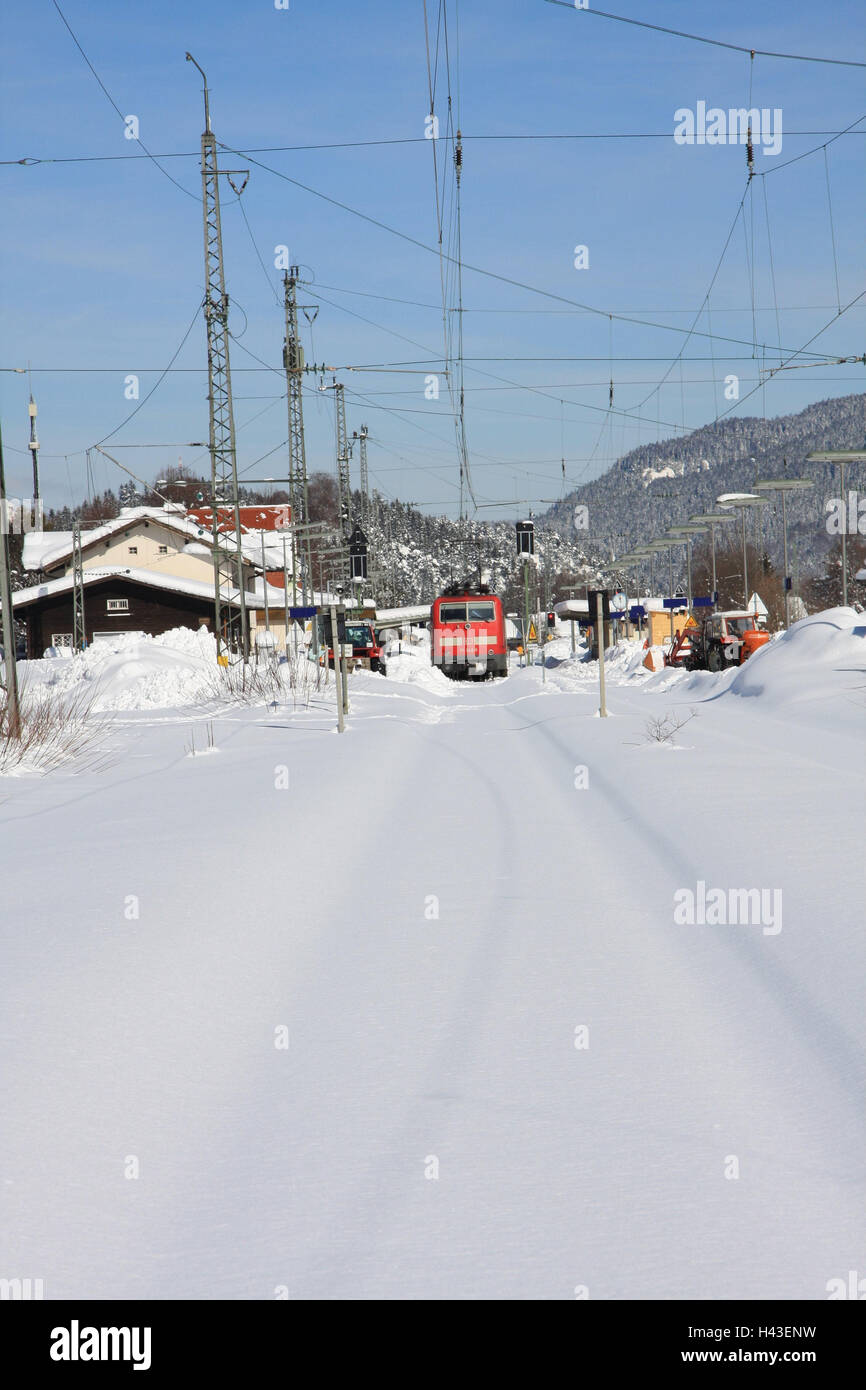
(101,261)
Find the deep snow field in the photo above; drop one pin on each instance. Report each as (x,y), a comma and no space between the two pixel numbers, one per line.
(436,1008)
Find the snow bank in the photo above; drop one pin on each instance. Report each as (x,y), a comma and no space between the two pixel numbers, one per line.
(816,657)
(136,672)
(408,661)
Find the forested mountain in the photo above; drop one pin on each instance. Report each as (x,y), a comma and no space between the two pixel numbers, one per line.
(658,485)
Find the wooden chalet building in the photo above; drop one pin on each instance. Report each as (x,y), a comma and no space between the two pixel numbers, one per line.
(147,570)
(116,602)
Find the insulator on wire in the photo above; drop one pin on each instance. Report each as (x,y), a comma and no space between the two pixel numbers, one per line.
(750,154)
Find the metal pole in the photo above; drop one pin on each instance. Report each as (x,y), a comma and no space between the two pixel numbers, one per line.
(34,448)
(265,587)
(573,647)
(713,544)
(221,437)
(844,534)
(599,617)
(286,597)
(671,594)
(79,627)
(785,536)
(335,645)
(745,564)
(13,708)
(344,670)
(689,567)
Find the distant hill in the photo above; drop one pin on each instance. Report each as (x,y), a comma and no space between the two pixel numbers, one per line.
(657,485)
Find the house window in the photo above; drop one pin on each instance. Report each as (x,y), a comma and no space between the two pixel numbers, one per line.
(61,639)
(163,550)
(133,550)
(117,605)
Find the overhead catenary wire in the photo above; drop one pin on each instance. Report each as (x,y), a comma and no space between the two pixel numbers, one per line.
(143,402)
(773,370)
(772,265)
(711,338)
(104,89)
(832,229)
(29,160)
(480,270)
(696,38)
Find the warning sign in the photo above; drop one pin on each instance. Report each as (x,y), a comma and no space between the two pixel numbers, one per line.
(532,635)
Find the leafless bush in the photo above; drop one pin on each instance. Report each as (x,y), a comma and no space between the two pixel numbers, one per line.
(662,728)
(52,728)
(266,682)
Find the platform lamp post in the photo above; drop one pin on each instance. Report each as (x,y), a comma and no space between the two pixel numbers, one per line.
(654,548)
(647,554)
(635,560)
(642,556)
(658,547)
(840,456)
(785,485)
(685,534)
(669,542)
(743,500)
(711,520)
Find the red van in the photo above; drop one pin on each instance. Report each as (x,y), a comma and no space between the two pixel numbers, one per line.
(467,631)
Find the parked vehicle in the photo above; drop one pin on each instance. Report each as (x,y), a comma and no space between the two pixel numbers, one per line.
(719,641)
(467,630)
(367,649)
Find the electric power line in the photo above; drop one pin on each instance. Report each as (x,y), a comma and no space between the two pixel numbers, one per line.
(696,38)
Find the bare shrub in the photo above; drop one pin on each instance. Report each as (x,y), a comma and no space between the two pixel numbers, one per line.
(661,728)
(53,728)
(266,682)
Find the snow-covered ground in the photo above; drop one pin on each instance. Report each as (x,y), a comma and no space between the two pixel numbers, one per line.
(419,1011)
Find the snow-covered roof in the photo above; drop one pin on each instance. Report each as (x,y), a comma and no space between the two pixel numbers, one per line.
(46,548)
(392,617)
(38,544)
(42,549)
(196,588)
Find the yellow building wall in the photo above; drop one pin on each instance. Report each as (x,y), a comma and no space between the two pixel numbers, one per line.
(660,626)
(146,541)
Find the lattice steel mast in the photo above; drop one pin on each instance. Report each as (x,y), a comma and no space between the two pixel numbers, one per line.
(293,362)
(361,436)
(79,631)
(344,477)
(224,472)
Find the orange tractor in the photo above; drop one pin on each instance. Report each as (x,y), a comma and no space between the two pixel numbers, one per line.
(718,641)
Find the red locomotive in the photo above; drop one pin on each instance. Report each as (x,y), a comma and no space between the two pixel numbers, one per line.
(467,630)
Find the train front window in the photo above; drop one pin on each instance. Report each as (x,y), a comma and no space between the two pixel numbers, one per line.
(452,612)
(482,612)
